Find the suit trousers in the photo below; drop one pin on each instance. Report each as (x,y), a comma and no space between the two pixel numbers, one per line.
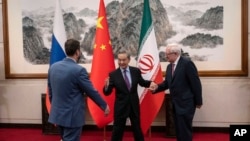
(70,134)
(119,126)
(183,125)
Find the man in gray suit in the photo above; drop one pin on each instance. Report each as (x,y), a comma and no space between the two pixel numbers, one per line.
(67,82)
(184,84)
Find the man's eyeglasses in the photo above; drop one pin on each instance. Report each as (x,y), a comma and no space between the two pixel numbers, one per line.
(170,53)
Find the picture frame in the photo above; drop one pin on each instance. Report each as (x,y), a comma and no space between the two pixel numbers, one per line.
(234,64)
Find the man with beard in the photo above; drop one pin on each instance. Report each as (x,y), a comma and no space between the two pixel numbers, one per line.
(68,82)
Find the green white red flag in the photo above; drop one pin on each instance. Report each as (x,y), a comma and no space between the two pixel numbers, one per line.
(149,63)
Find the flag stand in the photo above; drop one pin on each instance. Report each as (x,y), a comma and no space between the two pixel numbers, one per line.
(104,133)
(149,133)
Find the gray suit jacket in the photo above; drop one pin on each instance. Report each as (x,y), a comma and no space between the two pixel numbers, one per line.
(67,82)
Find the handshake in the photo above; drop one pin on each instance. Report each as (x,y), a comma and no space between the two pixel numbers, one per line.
(153,86)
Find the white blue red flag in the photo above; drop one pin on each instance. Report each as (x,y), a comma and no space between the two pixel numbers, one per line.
(57,52)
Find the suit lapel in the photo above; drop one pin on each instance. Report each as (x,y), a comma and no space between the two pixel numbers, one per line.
(169,76)
(132,77)
(177,68)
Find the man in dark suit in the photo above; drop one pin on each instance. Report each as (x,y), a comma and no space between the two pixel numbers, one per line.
(125,80)
(184,85)
(67,82)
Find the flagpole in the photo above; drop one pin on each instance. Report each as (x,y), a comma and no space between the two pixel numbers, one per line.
(149,133)
(104,133)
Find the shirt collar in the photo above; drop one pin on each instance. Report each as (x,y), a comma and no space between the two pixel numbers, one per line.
(72,59)
(177,60)
(127,69)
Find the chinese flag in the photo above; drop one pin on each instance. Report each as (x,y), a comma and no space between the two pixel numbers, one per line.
(102,64)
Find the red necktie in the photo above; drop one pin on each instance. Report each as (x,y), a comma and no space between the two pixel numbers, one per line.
(126,79)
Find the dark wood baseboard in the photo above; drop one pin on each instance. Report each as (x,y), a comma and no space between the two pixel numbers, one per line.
(109,127)
(19,125)
(211,129)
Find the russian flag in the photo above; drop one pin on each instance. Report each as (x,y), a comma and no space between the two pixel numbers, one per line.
(57,52)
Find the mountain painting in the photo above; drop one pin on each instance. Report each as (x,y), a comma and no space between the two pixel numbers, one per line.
(197,26)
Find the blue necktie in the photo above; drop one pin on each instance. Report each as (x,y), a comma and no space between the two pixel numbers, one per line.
(126,78)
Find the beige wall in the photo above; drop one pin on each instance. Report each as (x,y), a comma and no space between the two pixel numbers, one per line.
(226,99)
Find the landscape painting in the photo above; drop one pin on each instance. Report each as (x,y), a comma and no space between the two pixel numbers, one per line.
(199,27)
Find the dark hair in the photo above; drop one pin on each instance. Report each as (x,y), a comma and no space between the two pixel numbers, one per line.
(71,46)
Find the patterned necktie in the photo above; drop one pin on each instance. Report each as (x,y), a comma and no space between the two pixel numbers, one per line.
(173,69)
(126,78)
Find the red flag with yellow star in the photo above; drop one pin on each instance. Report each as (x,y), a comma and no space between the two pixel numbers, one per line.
(102,64)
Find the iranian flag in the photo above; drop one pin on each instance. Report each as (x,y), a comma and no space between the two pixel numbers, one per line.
(149,64)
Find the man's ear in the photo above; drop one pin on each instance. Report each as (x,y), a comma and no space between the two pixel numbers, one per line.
(77,52)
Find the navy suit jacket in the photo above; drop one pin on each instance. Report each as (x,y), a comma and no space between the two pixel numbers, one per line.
(125,99)
(184,86)
(67,83)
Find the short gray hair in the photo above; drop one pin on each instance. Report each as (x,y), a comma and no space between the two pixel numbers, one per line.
(174,48)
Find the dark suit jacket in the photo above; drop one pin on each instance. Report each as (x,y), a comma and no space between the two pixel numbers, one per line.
(185,86)
(67,82)
(125,100)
